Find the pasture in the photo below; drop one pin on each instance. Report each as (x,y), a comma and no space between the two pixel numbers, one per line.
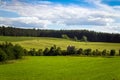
(43,42)
(62,68)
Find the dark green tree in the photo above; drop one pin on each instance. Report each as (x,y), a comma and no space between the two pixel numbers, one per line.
(32,52)
(71,50)
(18,51)
(39,52)
(104,52)
(46,52)
(3,55)
(80,51)
(87,52)
(112,52)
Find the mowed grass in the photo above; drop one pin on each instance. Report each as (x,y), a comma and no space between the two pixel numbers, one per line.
(43,42)
(62,68)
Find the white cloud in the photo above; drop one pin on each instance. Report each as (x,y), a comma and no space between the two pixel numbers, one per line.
(47,13)
(25,22)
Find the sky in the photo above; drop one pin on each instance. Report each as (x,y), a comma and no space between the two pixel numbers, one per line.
(96,15)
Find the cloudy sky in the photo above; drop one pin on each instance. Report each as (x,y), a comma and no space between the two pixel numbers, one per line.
(97,15)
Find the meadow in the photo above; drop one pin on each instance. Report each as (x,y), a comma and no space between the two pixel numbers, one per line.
(43,42)
(62,68)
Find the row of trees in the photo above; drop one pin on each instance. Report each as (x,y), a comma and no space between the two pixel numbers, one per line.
(74,34)
(9,51)
(71,50)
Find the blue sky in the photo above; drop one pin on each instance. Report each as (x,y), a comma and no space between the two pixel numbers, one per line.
(97,15)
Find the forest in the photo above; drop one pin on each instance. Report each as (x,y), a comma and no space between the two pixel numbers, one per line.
(92,36)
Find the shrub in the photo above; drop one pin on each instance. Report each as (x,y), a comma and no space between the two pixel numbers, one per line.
(46,52)
(87,52)
(39,52)
(58,51)
(32,52)
(112,52)
(96,53)
(18,51)
(10,53)
(80,51)
(104,52)
(71,50)
(25,52)
(52,51)
(64,52)
(3,55)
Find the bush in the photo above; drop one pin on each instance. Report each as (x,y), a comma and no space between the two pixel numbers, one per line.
(64,52)
(32,52)
(10,53)
(46,52)
(39,52)
(58,51)
(87,52)
(80,51)
(3,55)
(112,52)
(96,53)
(18,51)
(71,50)
(25,52)
(104,52)
(52,51)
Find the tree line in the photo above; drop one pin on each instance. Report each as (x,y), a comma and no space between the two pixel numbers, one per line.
(71,50)
(8,51)
(74,34)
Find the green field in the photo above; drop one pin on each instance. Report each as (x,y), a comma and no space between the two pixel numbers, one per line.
(43,42)
(62,68)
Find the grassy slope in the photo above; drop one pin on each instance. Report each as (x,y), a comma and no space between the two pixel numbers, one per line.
(43,42)
(62,68)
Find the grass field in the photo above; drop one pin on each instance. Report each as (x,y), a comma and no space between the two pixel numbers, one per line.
(62,68)
(43,42)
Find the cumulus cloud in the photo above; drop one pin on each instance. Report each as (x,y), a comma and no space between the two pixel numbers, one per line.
(46,13)
(29,22)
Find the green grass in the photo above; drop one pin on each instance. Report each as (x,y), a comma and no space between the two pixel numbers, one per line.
(14,39)
(62,68)
(43,42)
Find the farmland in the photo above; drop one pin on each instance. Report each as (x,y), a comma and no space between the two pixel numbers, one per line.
(43,42)
(60,67)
